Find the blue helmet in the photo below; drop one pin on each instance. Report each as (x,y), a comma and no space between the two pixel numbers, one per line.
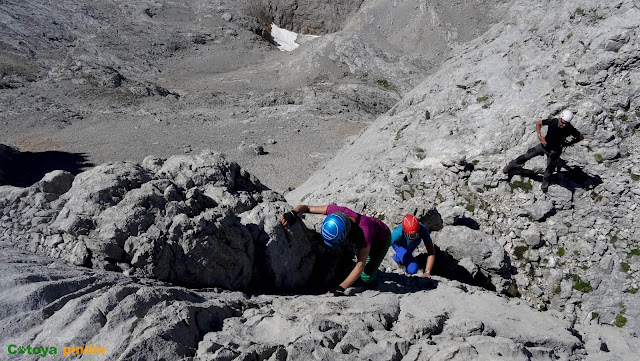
(335,229)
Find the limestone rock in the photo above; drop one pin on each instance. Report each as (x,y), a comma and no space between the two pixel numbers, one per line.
(195,220)
(483,103)
(446,103)
(479,249)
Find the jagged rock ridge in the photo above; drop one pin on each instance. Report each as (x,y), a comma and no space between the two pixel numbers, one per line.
(192,220)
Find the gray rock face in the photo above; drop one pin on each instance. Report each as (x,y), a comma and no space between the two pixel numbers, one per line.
(479,254)
(445,143)
(197,220)
(306,17)
(134,319)
(437,152)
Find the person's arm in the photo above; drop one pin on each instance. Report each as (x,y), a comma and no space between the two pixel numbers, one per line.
(303,208)
(357,270)
(396,235)
(575,140)
(430,260)
(538,131)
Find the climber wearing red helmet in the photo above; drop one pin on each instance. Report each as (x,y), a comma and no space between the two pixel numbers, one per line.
(405,238)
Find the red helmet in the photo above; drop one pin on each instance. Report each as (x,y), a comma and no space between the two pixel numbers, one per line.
(410,224)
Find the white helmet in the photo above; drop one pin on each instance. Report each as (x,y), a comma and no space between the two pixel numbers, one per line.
(566,115)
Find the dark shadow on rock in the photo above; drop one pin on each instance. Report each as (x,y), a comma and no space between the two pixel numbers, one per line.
(467,222)
(448,267)
(528,173)
(27,168)
(394,283)
(432,219)
(331,267)
(548,215)
(568,177)
(403,283)
(573,178)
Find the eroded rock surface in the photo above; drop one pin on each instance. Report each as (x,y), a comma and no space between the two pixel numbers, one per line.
(460,84)
(194,220)
(444,146)
(54,304)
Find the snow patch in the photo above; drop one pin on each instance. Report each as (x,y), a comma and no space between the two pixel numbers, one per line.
(285,39)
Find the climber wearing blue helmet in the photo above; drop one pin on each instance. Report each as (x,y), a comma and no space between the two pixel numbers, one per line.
(370,236)
(335,228)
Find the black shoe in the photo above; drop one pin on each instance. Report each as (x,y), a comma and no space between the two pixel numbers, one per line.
(544,186)
(366,285)
(371,285)
(506,169)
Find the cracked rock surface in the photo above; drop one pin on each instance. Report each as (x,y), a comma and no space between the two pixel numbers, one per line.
(192,220)
(400,107)
(60,305)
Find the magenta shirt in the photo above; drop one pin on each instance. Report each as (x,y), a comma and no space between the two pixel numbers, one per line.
(373,228)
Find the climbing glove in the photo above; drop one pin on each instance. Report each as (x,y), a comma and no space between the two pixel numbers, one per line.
(291,218)
(338,291)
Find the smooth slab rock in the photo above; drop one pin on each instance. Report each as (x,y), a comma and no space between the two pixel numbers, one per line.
(48,302)
(129,318)
(380,326)
(137,319)
(532,237)
(538,209)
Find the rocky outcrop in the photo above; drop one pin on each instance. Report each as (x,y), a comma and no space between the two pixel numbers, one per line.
(473,257)
(193,220)
(201,221)
(306,17)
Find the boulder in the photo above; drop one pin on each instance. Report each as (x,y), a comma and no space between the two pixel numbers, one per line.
(475,247)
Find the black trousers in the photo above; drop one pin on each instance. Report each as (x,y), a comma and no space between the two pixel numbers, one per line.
(552,159)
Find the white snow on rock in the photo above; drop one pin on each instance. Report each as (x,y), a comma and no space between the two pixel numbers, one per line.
(285,39)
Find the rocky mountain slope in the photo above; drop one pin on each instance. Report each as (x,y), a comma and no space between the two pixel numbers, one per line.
(445,143)
(520,274)
(118,81)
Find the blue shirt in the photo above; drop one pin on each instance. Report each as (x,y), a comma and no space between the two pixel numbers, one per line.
(399,239)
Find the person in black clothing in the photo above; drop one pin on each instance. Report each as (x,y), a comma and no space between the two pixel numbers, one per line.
(558,130)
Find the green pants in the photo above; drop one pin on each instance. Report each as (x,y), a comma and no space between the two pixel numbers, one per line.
(376,255)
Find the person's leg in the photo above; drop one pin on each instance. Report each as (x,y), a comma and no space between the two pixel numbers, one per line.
(411,265)
(402,256)
(531,153)
(376,255)
(399,253)
(552,163)
(521,160)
